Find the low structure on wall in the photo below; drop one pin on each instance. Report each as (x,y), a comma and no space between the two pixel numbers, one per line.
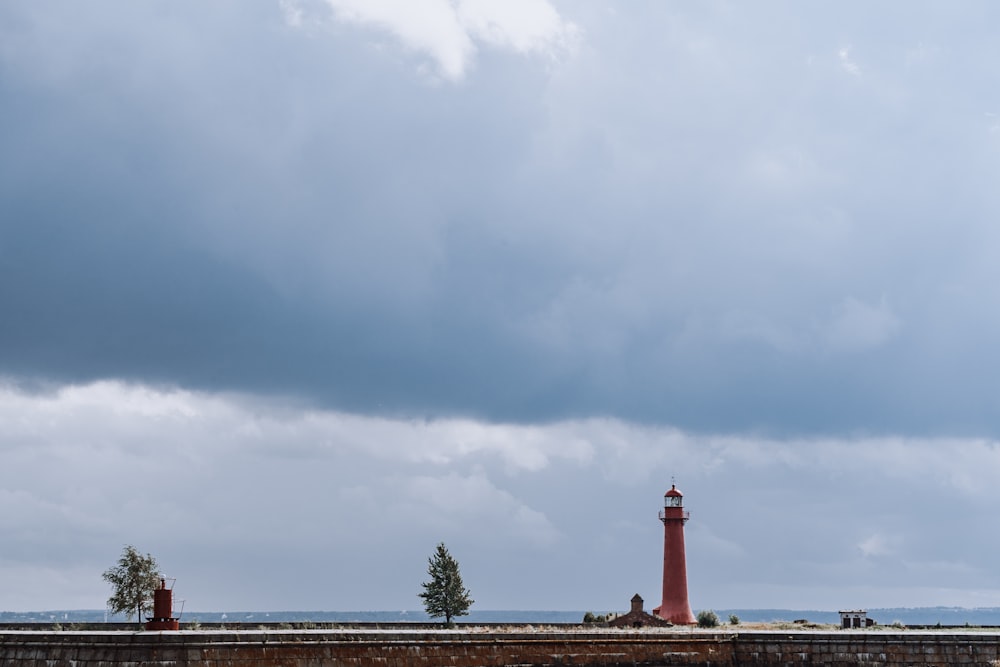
(637,618)
(855,618)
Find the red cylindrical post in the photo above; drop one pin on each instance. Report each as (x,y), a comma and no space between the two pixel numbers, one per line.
(163,609)
(675,606)
(163,602)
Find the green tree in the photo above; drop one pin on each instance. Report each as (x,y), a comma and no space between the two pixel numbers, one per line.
(134,579)
(445,594)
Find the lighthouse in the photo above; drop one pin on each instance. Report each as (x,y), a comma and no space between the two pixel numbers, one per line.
(675,607)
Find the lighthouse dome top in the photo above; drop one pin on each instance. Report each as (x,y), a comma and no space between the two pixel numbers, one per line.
(673,492)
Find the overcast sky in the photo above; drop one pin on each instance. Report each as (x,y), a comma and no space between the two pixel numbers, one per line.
(293,290)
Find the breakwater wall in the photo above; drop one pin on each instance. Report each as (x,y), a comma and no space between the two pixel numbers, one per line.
(491,648)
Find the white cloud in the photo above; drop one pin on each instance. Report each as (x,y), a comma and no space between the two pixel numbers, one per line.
(523,26)
(847,63)
(454,500)
(449,31)
(440,442)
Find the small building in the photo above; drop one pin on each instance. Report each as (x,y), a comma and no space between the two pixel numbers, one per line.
(637,618)
(855,618)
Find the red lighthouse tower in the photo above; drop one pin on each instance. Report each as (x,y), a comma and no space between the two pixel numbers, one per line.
(675,607)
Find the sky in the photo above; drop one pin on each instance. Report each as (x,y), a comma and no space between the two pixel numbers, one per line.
(293,290)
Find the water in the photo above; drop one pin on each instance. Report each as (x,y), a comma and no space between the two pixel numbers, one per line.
(946,616)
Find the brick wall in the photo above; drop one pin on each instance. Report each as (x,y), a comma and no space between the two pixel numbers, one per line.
(465,648)
(867,649)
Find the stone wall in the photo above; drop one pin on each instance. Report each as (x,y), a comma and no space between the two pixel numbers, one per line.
(358,649)
(874,648)
(466,648)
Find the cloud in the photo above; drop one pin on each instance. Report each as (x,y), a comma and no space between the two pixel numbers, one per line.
(249,260)
(292,11)
(453,502)
(876,545)
(219,486)
(278,209)
(449,32)
(847,63)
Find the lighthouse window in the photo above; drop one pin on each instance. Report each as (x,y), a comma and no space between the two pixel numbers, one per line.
(673,501)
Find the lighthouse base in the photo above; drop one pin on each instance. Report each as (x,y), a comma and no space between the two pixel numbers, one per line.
(675,616)
(163,624)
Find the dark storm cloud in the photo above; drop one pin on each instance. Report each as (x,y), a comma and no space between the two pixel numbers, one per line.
(705,218)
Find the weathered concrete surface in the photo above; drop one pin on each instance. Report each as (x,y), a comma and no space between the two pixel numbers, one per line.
(468,648)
